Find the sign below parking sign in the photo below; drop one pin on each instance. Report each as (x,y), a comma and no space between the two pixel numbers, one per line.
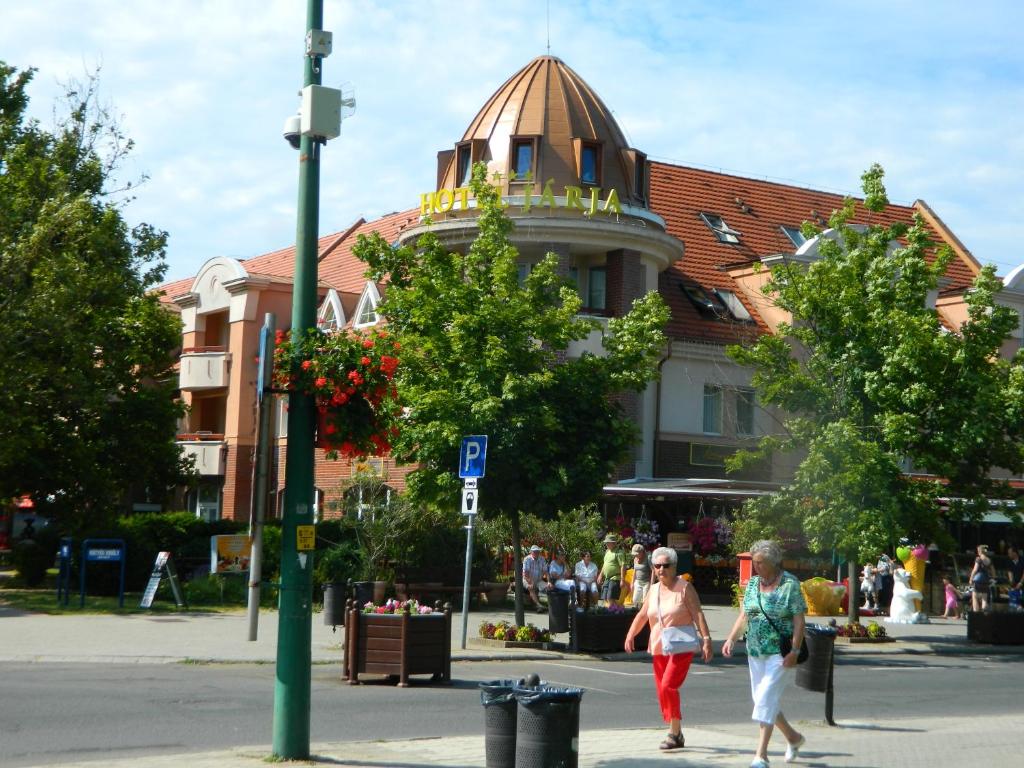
(473,456)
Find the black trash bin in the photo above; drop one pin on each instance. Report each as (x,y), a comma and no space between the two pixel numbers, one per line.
(815,674)
(558,611)
(363,593)
(499,723)
(334,604)
(548,727)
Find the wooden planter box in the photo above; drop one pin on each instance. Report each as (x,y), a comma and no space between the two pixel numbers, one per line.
(398,645)
(856,640)
(602,632)
(996,627)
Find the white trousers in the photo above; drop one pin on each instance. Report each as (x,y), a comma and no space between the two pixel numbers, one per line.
(768,680)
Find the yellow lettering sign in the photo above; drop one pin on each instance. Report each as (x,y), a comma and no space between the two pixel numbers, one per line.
(444,200)
(305,538)
(612,204)
(547,196)
(572,198)
(447,200)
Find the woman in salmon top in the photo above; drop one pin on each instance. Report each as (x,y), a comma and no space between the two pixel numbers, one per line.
(670,602)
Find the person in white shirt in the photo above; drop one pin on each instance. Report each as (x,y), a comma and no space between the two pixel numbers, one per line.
(586,581)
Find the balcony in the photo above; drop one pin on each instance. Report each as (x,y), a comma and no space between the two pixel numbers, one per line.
(203,368)
(207,449)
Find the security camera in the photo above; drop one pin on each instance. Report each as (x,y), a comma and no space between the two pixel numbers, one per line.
(292,130)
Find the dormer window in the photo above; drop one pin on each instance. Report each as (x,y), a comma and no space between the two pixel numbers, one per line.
(463,164)
(723,231)
(331,316)
(640,177)
(796,237)
(524,158)
(366,309)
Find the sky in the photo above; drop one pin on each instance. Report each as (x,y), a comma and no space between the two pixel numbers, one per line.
(807,93)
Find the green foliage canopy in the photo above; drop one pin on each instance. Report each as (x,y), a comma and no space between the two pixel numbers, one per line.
(86,380)
(484,354)
(867,377)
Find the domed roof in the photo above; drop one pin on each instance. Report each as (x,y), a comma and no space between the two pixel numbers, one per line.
(547,114)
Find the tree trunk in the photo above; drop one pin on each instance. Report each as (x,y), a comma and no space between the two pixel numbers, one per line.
(517,566)
(853,601)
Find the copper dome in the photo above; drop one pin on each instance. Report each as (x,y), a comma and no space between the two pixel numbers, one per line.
(546,115)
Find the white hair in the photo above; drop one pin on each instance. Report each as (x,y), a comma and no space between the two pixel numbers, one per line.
(668,552)
(769,549)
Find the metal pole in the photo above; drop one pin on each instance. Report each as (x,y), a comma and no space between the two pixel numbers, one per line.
(465,579)
(259,494)
(294,635)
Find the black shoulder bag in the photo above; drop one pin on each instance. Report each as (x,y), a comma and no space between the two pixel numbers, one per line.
(785,641)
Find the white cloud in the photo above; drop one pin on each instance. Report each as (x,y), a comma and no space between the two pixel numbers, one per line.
(801,91)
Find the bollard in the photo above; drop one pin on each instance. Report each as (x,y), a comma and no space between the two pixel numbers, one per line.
(815,674)
(334,604)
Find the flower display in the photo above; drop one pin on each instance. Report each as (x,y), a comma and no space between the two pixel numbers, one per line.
(645,532)
(351,379)
(503,630)
(397,606)
(855,629)
(710,535)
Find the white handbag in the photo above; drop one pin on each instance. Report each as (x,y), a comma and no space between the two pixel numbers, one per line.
(681,639)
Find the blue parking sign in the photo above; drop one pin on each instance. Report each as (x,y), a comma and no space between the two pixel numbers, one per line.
(473,456)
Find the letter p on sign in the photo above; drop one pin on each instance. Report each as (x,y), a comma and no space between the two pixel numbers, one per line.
(473,456)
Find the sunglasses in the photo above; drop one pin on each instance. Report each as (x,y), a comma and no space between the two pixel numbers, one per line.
(662,565)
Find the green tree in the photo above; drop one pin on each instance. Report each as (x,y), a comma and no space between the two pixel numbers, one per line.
(484,354)
(86,401)
(868,377)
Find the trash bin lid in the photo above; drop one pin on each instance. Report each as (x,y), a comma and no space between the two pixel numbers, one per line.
(546,693)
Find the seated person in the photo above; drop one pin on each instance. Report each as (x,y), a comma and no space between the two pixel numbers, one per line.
(585,574)
(558,573)
(534,571)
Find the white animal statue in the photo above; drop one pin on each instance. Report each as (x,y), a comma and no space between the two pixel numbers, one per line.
(902,609)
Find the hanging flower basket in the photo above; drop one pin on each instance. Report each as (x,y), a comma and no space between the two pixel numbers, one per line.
(350,376)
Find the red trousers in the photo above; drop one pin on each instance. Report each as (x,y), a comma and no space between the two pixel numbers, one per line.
(669,675)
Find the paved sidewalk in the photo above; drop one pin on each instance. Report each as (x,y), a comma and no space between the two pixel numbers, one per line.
(170,638)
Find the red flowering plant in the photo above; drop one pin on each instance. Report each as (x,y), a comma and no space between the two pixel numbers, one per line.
(350,376)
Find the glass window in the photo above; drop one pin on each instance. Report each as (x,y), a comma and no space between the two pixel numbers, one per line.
(524,272)
(367,313)
(712,409)
(522,157)
(596,282)
(463,165)
(796,237)
(733,304)
(588,164)
(723,231)
(745,401)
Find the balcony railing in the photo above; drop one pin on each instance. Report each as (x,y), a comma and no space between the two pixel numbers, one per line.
(203,368)
(207,449)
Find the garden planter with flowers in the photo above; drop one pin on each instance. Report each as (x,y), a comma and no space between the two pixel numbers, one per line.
(604,630)
(502,634)
(350,377)
(398,639)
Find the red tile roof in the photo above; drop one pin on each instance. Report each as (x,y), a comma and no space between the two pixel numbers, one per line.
(757,209)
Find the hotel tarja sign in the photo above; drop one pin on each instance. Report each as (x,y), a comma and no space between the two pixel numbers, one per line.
(588,202)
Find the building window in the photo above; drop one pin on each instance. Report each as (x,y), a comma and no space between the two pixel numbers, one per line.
(463,164)
(597,280)
(723,231)
(712,409)
(522,158)
(733,304)
(523,271)
(366,309)
(745,401)
(707,303)
(640,177)
(796,237)
(590,164)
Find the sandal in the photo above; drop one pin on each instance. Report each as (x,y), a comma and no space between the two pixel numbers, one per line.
(673,741)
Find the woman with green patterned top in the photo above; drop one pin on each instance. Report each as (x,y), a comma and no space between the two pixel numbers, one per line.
(773,605)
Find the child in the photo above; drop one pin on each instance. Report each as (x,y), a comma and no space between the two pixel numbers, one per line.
(952,600)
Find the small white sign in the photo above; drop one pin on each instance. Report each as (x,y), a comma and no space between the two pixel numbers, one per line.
(469,482)
(470,501)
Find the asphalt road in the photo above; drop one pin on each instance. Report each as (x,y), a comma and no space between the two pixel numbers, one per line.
(50,713)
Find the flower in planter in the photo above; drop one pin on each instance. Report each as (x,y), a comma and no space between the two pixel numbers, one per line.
(505,631)
(397,606)
(876,630)
(351,378)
